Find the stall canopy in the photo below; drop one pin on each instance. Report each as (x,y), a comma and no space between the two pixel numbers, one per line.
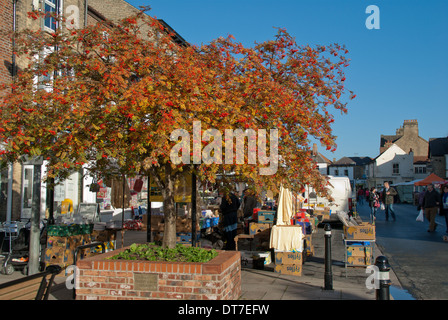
(406,190)
(432,178)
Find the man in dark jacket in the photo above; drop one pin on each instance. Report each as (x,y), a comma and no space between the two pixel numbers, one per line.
(431,202)
(250,202)
(388,199)
(229,208)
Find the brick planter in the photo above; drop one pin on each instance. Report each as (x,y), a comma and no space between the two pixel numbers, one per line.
(101,279)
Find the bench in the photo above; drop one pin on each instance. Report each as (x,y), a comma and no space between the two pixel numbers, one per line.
(34,287)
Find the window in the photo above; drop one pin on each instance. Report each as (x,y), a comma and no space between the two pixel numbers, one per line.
(420,170)
(45,81)
(52,7)
(395,168)
(346,172)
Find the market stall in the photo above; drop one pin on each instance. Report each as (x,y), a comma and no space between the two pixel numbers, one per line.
(419,185)
(405,191)
(431,179)
(77,230)
(282,236)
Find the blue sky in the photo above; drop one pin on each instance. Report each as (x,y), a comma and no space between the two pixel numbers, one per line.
(398,72)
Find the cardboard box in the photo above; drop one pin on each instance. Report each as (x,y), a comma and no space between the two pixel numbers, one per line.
(57,242)
(364,231)
(255,228)
(321,215)
(309,251)
(155,220)
(288,257)
(266,212)
(54,255)
(247,257)
(359,251)
(309,248)
(266,216)
(103,235)
(185,237)
(306,226)
(309,239)
(290,269)
(263,236)
(358,261)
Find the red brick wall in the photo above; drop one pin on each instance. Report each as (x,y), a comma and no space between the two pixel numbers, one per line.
(219,279)
(6,23)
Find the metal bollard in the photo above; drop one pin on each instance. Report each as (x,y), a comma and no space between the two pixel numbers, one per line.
(328,271)
(382,293)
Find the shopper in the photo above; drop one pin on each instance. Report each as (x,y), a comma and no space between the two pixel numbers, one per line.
(250,203)
(388,199)
(421,195)
(374,203)
(431,203)
(360,196)
(229,208)
(444,204)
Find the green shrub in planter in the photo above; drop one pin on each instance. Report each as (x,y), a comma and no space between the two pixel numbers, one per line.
(152,252)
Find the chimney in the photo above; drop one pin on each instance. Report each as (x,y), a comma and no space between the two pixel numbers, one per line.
(314,149)
(410,128)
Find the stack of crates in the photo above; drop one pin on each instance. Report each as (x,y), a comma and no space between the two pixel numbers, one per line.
(265,221)
(60,250)
(288,262)
(185,237)
(359,253)
(359,244)
(307,229)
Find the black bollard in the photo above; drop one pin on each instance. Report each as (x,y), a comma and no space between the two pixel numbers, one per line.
(382,293)
(328,272)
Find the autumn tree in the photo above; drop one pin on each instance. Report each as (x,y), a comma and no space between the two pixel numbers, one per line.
(123,95)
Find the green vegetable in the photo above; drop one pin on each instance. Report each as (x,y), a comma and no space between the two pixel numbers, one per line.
(152,252)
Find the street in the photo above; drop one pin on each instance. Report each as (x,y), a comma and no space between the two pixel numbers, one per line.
(418,258)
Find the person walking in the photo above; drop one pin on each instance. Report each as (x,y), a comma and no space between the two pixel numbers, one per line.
(431,203)
(388,199)
(229,208)
(444,204)
(361,196)
(374,203)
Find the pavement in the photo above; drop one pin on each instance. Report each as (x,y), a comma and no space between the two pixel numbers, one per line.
(349,283)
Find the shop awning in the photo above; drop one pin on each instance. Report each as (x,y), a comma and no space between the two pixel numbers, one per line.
(432,178)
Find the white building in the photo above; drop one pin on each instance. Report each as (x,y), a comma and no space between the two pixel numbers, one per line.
(344,167)
(393,165)
(321,162)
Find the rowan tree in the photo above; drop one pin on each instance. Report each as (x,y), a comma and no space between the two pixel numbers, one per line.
(110,95)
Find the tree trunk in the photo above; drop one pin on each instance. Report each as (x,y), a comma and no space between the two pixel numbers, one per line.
(169,234)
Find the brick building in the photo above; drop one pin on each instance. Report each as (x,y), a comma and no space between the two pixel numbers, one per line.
(438,155)
(17,180)
(7,25)
(407,138)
